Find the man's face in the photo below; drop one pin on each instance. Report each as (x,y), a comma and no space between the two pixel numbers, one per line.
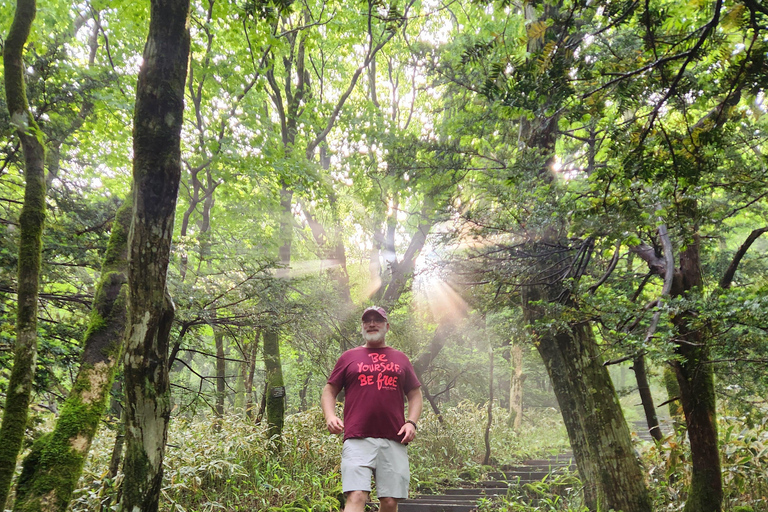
(374,328)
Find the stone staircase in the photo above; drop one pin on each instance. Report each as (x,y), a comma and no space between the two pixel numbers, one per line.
(640,428)
(468,497)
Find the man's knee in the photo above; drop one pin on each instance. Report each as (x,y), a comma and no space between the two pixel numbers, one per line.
(388,504)
(355,501)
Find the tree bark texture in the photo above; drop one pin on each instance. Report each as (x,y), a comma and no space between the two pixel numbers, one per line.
(516,386)
(591,411)
(641,374)
(695,377)
(48,480)
(31,223)
(158,118)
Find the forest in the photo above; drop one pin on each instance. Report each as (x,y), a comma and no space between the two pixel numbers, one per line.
(562,205)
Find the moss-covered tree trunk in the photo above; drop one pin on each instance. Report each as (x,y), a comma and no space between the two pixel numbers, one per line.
(275,388)
(591,411)
(31,222)
(50,476)
(695,378)
(158,118)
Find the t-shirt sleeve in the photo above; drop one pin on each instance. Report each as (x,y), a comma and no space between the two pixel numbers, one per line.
(410,381)
(337,375)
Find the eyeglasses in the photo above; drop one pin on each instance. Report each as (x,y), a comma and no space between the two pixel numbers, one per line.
(373,320)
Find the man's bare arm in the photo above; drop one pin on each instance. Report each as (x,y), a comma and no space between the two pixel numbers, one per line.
(328,404)
(415,405)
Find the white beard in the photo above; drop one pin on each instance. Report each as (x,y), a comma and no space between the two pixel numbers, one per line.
(373,337)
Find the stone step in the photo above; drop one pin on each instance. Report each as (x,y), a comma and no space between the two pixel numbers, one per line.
(519,475)
(413,506)
(640,428)
(494,484)
(459,499)
(533,469)
(435,507)
(465,499)
(541,463)
(477,491)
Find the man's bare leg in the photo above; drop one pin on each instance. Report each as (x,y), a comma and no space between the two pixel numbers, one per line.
(388,504)
(356,501)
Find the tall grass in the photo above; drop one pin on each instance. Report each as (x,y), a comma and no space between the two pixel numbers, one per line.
(236,468)
(744,464)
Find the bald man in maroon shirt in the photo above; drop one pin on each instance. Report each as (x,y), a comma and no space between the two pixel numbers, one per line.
(377,379)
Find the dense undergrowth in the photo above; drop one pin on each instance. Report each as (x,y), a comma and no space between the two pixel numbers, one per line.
(233,468)
(744,459)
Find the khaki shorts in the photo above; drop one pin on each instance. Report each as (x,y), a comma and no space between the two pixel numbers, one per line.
(383,459)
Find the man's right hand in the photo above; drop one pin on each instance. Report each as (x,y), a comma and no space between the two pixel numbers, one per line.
(335,425)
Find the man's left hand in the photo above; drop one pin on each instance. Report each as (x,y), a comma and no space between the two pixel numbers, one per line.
(408,431)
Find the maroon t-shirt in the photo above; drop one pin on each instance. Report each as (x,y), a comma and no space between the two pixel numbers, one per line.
(375,381)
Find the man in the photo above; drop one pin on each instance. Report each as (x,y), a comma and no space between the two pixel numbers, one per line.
(375,378)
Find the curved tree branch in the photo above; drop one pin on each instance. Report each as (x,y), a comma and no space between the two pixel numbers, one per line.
(727,278)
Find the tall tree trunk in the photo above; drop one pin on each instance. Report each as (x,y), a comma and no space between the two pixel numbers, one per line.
(158,119)
(487,437)
(638,365)
(275,392)
(516,386)
(444,330)
(48,480)
(31,223)
(251,360)
(221,368)
(693,371)
(588,402)
(303,392)
(695,377)
(275,389)
(591,411)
